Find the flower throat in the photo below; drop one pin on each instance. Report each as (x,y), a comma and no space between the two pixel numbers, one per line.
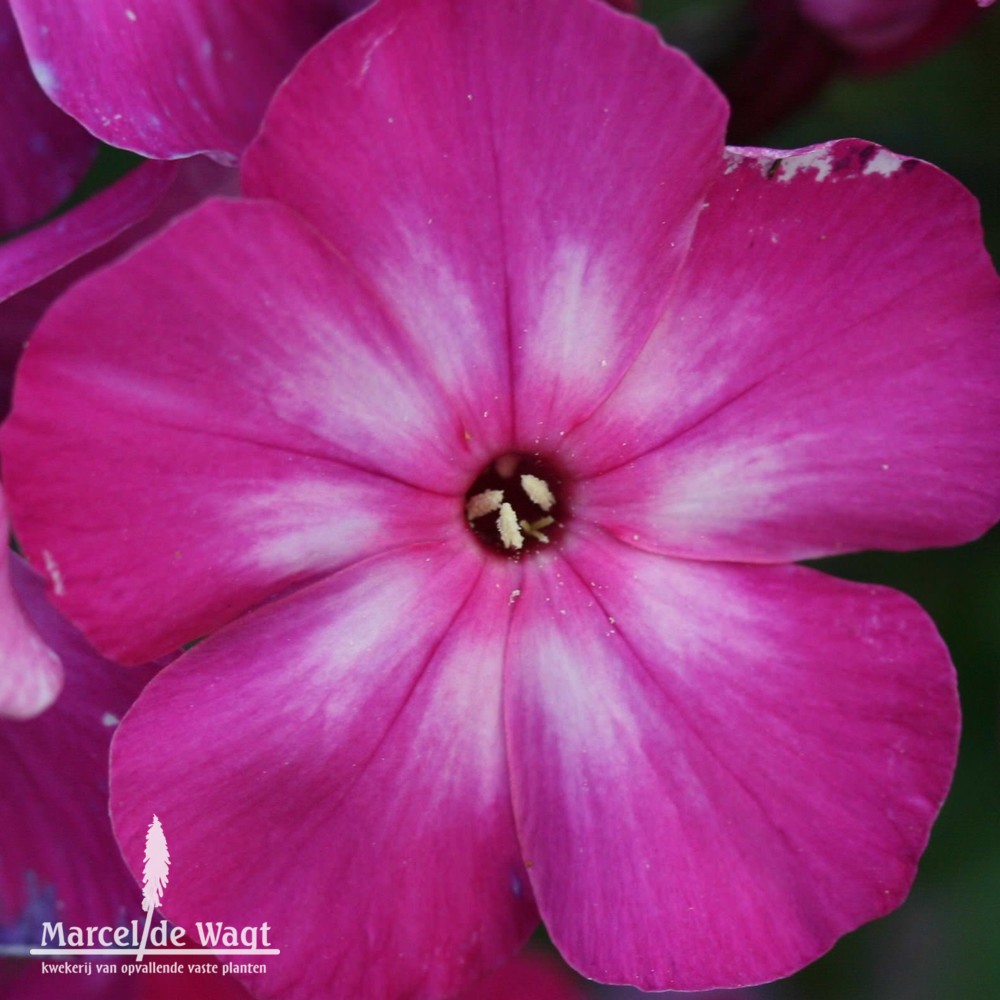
(517,505)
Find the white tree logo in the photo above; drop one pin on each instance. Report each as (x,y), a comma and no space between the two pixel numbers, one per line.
(156,866)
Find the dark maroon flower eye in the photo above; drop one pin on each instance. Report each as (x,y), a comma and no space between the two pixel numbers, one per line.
(517,504)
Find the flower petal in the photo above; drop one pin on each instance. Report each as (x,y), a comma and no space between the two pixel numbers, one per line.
(258,408)
(35,255)
(454,180)
(346,743)
(731,766)
(828,378)
(27,261)
(39,266)
(532,975)
(170,80)
(31,674)
(408,197)
(60,861)
(593,240)
(45,152)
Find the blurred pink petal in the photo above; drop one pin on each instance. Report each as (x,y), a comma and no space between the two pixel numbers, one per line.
(60,860)
(88,237)
(31,674)
(45,152)
(37,254)
(27,260)
(173,79)
(880,35)
(798,46)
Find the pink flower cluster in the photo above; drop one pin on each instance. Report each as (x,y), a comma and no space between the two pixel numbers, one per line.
(441,474)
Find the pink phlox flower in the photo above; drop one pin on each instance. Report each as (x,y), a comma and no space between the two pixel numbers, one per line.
(476,442)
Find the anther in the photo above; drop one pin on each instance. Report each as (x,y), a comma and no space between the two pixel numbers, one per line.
(538,492)
(533,529)
(518,504)
(510,531)
(483,503)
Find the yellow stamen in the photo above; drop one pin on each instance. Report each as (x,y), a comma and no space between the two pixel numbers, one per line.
(533,529)
(538,492)
(483,503)
(510,533)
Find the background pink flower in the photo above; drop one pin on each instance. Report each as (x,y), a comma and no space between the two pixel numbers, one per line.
(31,674)
(880,34)
(645,726)
(36,267)
(797,47)
(45,152)
(60,860)
(170,80)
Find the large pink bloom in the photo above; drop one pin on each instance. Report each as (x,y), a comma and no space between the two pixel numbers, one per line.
(468,253)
